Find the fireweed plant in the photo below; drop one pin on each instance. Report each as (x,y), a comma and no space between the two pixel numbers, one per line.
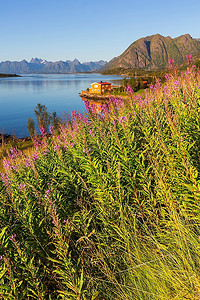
(108,208)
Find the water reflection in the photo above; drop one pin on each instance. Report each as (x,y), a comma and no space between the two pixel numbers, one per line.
(98,103)
(60,93)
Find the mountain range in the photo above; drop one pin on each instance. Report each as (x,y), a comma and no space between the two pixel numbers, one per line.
(148,53)
(37,65)
(153,52)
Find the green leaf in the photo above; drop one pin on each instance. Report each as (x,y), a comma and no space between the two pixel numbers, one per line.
(3,231)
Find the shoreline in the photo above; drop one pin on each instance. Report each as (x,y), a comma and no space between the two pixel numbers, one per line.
(100,97)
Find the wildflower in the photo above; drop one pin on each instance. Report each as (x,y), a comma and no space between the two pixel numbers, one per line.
(12,238)
(22,186)
(187,72)
(123,119)
(51,129)
(87,105)
(1,257)
(80,116)
(151,87)
(189,59)
(176,83)
(13,153)
(72,145)
(7,165)
(5,179)
(90,132)
(35,156)
(73,113)
(85,120)
(43,131)
(86,150)
(28,161)
(56,147)
(64,221)
(165,89)
(72,135)
(104,108)
(129,90)
(166,76)
(47,193)
(171,63)
(37,143)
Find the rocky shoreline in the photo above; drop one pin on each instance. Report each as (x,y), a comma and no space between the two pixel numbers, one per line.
(100,97)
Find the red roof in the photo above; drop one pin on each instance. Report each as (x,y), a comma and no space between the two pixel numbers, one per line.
(103,83)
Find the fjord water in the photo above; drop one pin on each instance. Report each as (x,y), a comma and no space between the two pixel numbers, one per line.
(20,95)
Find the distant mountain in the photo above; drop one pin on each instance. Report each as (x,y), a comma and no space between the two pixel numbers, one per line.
(38,65)
(153,52)
(38,61)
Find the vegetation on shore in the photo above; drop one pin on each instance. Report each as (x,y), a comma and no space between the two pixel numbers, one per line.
(44,119)
(150,75)
(108,207)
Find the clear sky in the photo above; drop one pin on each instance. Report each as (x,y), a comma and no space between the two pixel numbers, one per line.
(89,30)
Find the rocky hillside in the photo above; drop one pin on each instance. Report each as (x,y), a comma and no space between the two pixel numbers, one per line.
(42,66)
(153,52)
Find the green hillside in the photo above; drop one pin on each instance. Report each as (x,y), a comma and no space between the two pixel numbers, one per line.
(153,52)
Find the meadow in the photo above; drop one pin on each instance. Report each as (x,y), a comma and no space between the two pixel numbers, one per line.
(108,206)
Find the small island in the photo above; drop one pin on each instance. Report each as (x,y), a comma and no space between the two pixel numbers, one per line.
(8,75)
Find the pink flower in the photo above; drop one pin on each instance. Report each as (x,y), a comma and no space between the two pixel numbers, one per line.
(35,156)
(123,119)
(51,129)
(47,193)
(171,63)
(151,87)
(12,238)
(166,76)
(43,131)
(129,90)
(37,143)
(189,59)
(22,187)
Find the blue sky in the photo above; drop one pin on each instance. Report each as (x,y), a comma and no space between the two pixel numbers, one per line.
(88,30)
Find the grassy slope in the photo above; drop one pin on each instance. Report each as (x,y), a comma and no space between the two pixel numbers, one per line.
(109,209)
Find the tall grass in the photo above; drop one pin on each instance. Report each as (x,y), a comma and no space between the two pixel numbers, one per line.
(109,207)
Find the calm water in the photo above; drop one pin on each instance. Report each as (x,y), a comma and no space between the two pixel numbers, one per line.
(60,93)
